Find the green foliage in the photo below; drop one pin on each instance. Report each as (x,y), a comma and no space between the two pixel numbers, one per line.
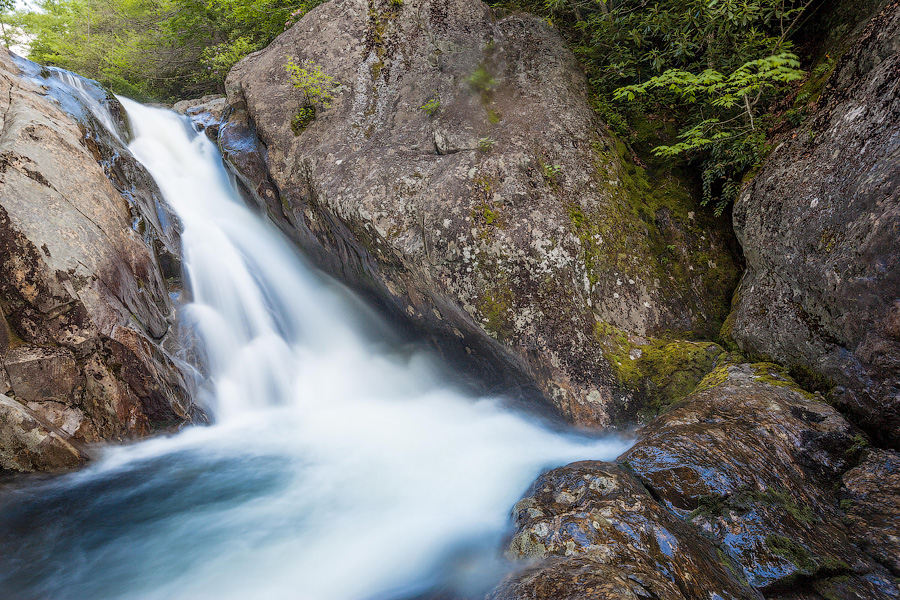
(550,172)
(318,88)
(482,81)
(219,59)
(719,93)
(431,107)
(699,62)
(155,49)
(304,116)
(485,144)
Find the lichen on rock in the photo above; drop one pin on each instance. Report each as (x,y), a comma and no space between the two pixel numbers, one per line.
(507,254)
(819,227)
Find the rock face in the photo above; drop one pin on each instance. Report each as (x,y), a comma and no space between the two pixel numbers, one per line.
(624,544)
(871,497)
(207,112)
(29,443)
(461,178)
(83,296)
(734,484)
(820,227)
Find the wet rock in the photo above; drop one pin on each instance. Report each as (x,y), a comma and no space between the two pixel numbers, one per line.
(184,107)
(28,443)
(585,579)
(82,280)
(71,421)
(871,498)
(43,373)
(820,228)
(504,222)
(621,542)
(751,460)
(207,113)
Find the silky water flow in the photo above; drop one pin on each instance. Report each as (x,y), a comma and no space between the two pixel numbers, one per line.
(336,467)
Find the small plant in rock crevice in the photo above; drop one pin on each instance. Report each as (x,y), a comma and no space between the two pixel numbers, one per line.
(319,90)
(485,144)
(482,81)
(431,107)
(550,172)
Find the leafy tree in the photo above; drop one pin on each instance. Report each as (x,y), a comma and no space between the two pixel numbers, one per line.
(690,61)
(155,49)
(728,105)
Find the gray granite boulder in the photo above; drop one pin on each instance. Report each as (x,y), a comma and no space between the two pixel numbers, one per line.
(820,227)
(462,180)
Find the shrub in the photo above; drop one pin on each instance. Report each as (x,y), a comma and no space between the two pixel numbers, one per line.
(431,107)
(485,144)
(318,88)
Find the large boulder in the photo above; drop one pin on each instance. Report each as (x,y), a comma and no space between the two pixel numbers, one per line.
(83,296)
(606,537)
(752,460)
(820,228)
(749,479)
(461,178)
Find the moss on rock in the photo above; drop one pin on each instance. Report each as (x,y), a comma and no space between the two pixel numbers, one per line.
(661,371)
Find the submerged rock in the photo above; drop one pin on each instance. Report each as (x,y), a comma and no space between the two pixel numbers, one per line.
(820,227)
(83,296)
(207,112)
(461,178)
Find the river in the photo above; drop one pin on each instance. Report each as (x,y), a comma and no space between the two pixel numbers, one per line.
(340,466)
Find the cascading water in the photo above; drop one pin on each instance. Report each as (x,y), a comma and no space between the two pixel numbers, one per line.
(335,469)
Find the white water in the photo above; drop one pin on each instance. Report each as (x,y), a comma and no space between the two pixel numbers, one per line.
(336,470)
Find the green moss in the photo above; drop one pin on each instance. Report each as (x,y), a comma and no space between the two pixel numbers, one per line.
(857,451)
(650,227)
(713,379)
(811,380)
(732,567)
(726,331)
(789,549)
(661,371)
(772,374)
(486,213)
(743,501)
(495,305)
(493,116)
(782,498)
(481,80)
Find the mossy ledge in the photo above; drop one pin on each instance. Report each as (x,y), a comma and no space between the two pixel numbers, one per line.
(661,371)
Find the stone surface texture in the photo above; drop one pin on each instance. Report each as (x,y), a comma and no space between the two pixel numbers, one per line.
(750,479)
(504,222)
(820,228)
(84,247)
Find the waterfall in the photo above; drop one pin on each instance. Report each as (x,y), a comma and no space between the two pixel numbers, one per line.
(338,468)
